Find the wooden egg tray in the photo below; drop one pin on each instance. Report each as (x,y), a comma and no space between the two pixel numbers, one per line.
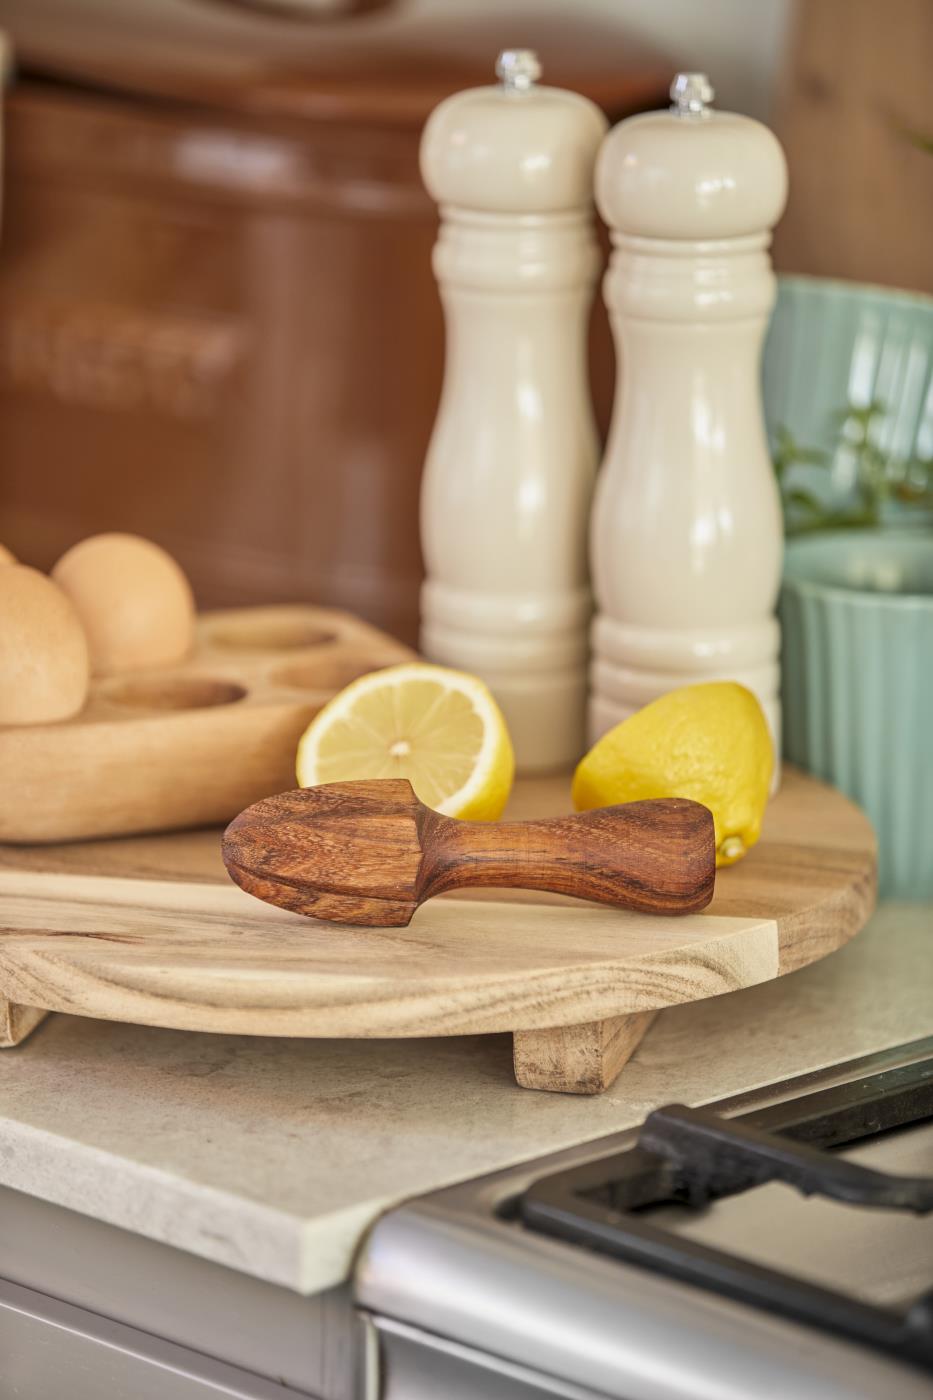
(192,744)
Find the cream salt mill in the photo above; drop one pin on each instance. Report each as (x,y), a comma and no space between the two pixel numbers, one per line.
(686,537)
(509,473)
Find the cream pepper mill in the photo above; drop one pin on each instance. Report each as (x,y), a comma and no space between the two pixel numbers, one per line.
(686,536)
(509,473)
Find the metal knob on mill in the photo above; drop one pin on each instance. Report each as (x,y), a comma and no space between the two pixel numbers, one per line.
(510,469)
(686,536)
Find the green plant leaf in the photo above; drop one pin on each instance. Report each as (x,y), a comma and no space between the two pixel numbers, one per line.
(878,478)
(805,500)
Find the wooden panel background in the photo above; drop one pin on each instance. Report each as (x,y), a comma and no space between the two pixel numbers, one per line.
(218,321)
(861,191)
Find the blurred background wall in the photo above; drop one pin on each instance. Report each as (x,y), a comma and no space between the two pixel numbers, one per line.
(218,322)
(741,43)
(854,110)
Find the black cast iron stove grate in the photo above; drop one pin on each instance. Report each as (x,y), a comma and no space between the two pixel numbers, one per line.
(692,1157)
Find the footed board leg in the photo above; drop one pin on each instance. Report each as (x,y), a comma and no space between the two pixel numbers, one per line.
(16,1022)
(577,1059)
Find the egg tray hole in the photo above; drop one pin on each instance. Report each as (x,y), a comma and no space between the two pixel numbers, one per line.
(173,693)
(330,671)
(269,634)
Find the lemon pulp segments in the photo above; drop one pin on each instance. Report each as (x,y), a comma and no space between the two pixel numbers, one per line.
(439,728)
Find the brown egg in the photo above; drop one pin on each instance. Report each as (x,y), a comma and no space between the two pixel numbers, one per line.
(44,663)
(5,556)
(134,601)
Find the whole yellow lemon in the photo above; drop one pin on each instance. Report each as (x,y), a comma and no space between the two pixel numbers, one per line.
(710,742)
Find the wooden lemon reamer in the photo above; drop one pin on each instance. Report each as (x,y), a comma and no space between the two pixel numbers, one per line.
(369,852)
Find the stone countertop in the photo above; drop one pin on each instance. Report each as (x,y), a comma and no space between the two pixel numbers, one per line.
(274,1156)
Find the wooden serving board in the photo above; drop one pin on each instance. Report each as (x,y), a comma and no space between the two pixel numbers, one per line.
(151,930)
(186,745)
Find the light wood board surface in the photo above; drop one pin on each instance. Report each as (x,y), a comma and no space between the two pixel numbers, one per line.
(151,931)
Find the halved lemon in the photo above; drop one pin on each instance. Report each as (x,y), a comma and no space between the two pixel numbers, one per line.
(439,728)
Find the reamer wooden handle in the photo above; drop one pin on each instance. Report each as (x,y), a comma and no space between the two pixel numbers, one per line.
(656,856)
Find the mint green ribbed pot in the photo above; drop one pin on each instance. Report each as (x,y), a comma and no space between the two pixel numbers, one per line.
(857,675)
